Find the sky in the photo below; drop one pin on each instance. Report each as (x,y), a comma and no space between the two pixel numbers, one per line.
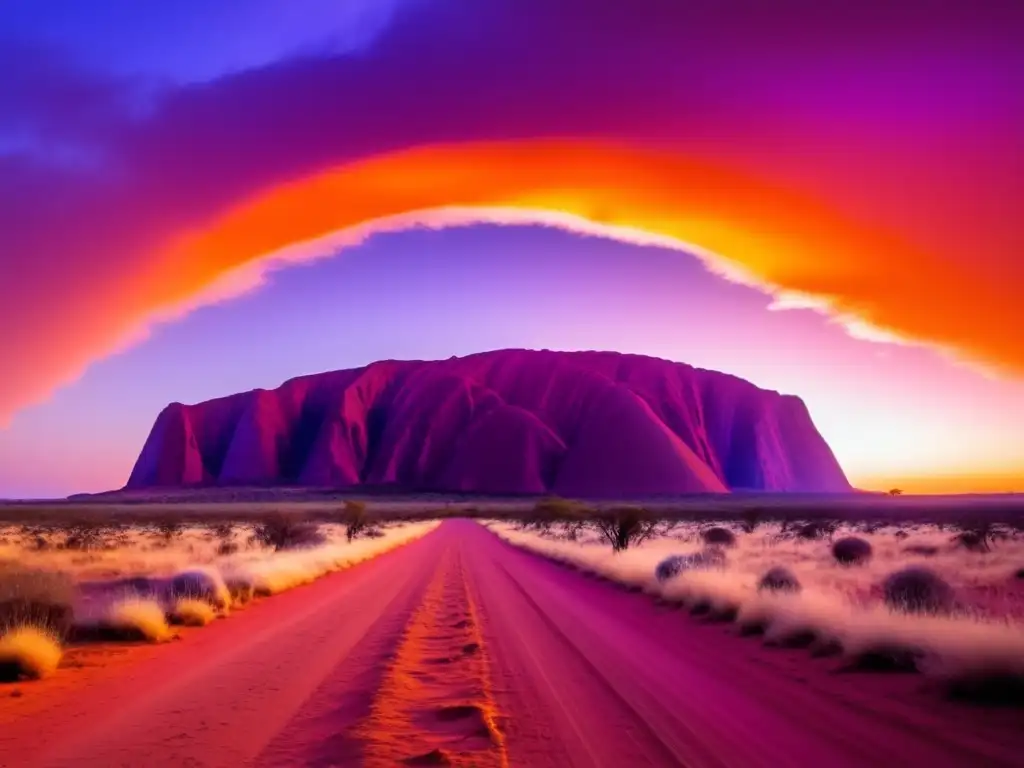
(822,197)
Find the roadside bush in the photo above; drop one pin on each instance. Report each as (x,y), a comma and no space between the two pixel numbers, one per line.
(241,591)
(192,613)
(135,619)
(203,585)
(28,653)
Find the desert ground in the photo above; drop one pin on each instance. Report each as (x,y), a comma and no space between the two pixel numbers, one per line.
(277,631)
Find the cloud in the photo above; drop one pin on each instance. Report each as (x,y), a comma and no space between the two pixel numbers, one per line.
(802,150)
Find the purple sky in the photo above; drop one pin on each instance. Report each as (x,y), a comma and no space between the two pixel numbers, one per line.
(125,125)
(431,294)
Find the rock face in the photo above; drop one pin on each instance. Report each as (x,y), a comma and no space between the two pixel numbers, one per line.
(584,424)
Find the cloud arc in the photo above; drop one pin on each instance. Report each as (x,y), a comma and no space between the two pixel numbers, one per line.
(858,160)
(744,228)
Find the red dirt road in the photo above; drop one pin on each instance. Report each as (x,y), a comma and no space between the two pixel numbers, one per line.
(459,649)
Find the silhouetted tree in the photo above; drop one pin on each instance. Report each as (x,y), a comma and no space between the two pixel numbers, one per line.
(355,519)
(623,527)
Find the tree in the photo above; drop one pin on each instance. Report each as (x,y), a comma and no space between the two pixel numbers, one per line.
(896,492)
(286,530)
(623,527)
(355,519)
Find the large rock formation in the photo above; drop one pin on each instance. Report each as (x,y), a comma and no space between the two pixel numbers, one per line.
(513,421)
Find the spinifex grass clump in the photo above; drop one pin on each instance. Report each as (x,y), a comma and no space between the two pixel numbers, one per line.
(28,653)
(851,550)
(918,590)
(673,565)
(135,619)
(719,536)
(201,584)
(192,613)
(38,598)
(779,579)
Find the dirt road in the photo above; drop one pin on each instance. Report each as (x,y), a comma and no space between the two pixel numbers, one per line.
(459,649)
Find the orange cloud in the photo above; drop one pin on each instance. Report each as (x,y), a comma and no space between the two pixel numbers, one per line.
(743,227)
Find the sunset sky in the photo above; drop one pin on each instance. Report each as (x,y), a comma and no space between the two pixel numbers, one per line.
(821,197)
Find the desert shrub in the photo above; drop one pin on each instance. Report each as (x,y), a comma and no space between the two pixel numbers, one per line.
(751,518)
(779,579)
(1019,573)
(28,653)
(203,585)
(673,565)
(84,536)
(980,536)
(917,590)
(553,509)
(817,529)
(141,586)
(719,536)
(192,613)
(925,550)
(355,519)
(241,591)
(623,527)
(226,548)
(851,550)
(168,529)
(135,619)
(281,530)
(38,598)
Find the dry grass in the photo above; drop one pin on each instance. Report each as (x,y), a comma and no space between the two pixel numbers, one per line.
(205,584)
(137,619)
(839,608)
(30,596)
(189,612)
(28,653)
(288,569)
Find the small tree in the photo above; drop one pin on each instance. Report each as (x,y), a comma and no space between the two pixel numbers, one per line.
(283,530)
(355,519)
(896,492)
(623,527)
(547,511)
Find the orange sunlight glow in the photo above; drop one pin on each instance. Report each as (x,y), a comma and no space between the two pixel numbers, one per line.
(878,286)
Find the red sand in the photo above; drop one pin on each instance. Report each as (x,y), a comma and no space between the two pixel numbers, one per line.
(459,647)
